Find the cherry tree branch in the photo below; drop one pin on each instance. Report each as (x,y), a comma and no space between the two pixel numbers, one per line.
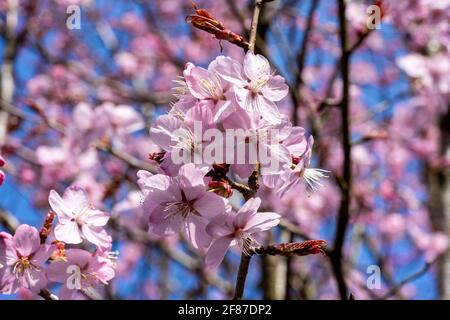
(409,279)
(253,180)
(344,210)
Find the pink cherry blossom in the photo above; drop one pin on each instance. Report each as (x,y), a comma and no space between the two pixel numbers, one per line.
(81,270)
(22,260)
(237,229)
(77,219)
(212,91)
(256,88)
(180,203)
(299,171)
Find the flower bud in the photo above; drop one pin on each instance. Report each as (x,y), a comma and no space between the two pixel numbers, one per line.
(222,188)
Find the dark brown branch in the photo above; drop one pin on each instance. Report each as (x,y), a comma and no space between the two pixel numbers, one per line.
(409,279)
(253,179)
(301,57)
(241,277)
(344,209)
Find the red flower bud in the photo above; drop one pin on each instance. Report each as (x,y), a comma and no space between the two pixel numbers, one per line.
(205,21)
(294,248)
(157,157)
(47,227)
(222,188)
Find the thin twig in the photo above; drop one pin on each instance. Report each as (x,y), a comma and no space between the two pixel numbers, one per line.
(409,279)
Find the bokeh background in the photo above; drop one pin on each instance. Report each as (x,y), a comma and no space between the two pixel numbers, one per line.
(127,54)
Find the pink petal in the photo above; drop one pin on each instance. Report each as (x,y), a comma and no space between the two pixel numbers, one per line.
(275,89)
(210,205)
(248,210)
(269,110)
(229,69)
(255,66)
(57,271)
(218,226)
(195,230)
(222,110)
(162,129)
(68,233)
(165,227)
(97,236)
(42,255)
(26,240)
(217,252)
(190,176)
(60,207)
(76,199)
(96,218)
(35,280)
(195,80)
(262,221)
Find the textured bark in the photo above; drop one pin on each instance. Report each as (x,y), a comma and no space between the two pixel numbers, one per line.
(439,206)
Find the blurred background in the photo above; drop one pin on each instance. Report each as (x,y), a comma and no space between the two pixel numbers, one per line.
(124,55)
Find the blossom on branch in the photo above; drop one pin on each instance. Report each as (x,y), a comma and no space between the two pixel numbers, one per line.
(77,219)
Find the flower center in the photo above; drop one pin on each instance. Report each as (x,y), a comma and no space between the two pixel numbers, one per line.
(183,207)
(212,88)
(21,265)
(245,241)
(257,84)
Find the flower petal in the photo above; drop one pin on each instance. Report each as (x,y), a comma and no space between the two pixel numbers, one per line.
(96,218)
(256,66)
(262,221)
(275,89)
(210,205)
(59,206)
(248,210)
(217,252)
(195,230)
(68,233)
(97,236)
(76,199)
(26,240)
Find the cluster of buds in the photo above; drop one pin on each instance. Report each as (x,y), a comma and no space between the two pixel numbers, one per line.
(294,248)
(222,188)
(203,20)
(47,226)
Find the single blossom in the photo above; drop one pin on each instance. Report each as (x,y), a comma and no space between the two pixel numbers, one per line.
(180,203)
(212,92)
(77,219)
(237,229)
(300,172)
(256,87)
(80,270)
(22,260)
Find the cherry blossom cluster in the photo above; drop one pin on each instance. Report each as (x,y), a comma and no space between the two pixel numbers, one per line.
(32,259)
(226,117)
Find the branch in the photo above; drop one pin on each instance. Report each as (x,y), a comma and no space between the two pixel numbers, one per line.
(301,57)
(344,210)
(410,278)
(253,179)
